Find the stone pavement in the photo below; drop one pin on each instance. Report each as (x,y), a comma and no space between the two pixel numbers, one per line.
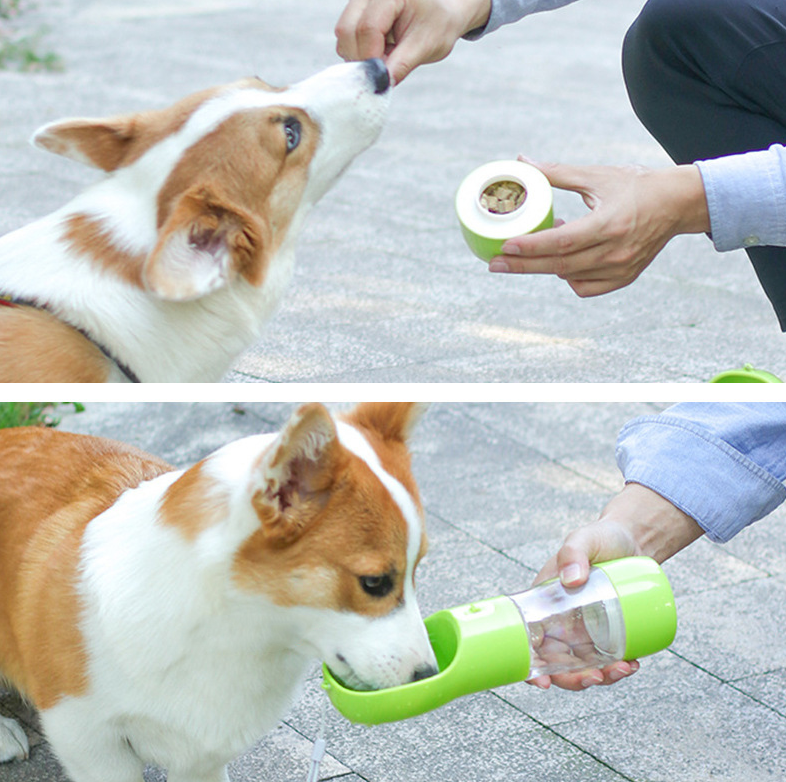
(501,485)
(385,290)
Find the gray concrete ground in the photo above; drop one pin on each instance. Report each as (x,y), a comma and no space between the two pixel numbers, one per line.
(502,484)
(385,290)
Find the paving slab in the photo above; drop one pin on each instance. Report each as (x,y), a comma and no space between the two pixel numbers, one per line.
(735,631)
(475,739)
(384,288)
(767,688)
(501,484)
(702,734)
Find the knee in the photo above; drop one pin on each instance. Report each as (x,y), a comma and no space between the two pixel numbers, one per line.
(672,29)
(702,39)
(658,41)
(666,19)
(659,30)
(656,57)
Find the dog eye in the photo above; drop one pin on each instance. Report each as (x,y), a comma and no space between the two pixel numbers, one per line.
(376,586)
(292,132)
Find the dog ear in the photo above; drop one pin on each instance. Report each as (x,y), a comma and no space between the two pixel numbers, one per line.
(393,421)
(296,474)
(102,143)
(204,242)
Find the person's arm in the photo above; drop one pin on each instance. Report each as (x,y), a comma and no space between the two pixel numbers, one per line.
(508,11)
(722,464)
(746,196)
(634,213)
(694,469)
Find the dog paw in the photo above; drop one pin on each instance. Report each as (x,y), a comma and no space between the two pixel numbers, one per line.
(13,742)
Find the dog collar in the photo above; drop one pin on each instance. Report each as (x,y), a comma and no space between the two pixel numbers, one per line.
(18,301)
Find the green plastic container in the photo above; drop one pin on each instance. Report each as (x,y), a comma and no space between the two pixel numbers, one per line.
(485,232)
(746,375)
(498,641)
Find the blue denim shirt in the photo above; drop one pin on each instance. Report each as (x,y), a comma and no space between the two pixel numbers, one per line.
(746,194)
(722,464)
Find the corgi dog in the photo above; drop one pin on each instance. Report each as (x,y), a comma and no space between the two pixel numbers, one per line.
(167,617)
(167,269)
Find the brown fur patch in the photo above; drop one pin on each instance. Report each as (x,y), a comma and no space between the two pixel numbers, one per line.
(387,426)
(88,236)
(51,485)
(36,347)
(194,502)
(113,142)
(246,176)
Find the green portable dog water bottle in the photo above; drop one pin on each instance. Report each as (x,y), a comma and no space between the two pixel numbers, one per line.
(625,610)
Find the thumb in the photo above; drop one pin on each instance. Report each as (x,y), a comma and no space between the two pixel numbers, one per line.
(570,564)
(416,46)
(400,64)
(573,565)
(408,52)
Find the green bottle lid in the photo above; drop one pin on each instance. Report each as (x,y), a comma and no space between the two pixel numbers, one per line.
(647,603)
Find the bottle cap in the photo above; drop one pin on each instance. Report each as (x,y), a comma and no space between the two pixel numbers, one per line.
(647,603)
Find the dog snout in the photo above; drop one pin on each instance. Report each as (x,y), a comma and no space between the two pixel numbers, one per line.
(424,672)
(377,72)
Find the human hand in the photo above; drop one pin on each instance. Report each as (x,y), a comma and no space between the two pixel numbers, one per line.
(634,213)
(600,541)
(636,521)
(406,33)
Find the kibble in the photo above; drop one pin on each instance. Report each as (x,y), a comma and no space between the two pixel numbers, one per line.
(504,197)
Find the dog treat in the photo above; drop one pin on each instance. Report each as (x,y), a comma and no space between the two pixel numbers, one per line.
(503,197)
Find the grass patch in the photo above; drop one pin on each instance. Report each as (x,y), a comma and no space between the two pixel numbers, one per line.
(9,8)
(33,413)
(20,48)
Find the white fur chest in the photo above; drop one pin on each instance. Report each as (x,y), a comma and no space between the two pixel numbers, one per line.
(181,666)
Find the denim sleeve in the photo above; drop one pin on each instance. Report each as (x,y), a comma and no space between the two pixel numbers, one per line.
(508,11)
(746,196)
(722,464)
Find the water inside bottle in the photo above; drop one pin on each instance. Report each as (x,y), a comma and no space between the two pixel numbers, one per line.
(572,629)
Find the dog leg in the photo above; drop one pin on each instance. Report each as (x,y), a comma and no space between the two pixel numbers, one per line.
(216,775)
(91,751)
(13,742)
(99,764)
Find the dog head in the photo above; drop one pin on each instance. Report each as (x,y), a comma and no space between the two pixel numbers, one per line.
(326,528)
(206,192)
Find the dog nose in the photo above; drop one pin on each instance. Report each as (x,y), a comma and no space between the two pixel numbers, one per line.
(424,672)
(377,72)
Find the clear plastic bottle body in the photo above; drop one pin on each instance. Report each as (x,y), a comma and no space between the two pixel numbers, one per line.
(572,629)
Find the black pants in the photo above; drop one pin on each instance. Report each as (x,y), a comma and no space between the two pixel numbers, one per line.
(708,78)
